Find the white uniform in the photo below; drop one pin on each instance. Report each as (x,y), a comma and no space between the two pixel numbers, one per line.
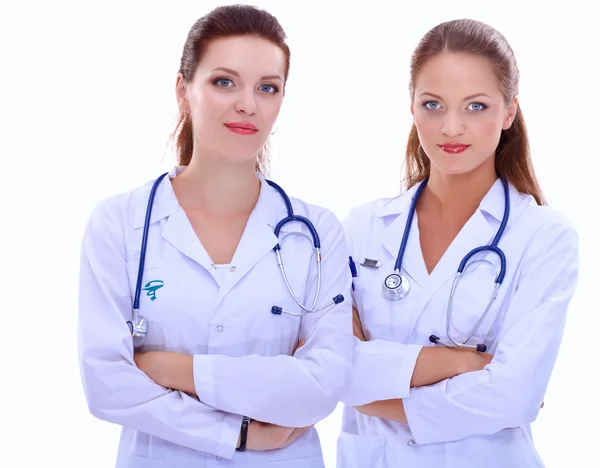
(242,352)
(477,419)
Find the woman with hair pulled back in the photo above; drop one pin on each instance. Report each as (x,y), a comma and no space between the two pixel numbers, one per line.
(214,333)
(462,283)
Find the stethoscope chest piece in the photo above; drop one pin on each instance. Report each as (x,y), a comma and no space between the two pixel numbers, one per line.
(395,287)
(138,329)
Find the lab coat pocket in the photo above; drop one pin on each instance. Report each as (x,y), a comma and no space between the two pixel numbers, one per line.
(506,448)
(149,451)
(142,462)
(360,451)
(376,313)
(153,299)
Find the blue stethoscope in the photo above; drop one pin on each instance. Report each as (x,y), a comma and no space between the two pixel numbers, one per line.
(138,326)
(396,286)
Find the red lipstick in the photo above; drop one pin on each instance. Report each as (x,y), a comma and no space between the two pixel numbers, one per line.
(243,128)
(454,148)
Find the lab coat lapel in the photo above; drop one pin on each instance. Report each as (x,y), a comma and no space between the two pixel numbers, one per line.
(178,231)
(258,238)
(478,231)
(475,233)
(413,265)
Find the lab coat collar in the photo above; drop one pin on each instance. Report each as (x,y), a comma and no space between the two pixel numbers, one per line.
(479,230)
(492,203)
(165,201)
(258,238)
(270,206)
(398,205)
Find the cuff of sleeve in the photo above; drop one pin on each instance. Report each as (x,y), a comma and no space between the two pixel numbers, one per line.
(382,371)
(204,379)
(416,410)
(230,433)
(432,411)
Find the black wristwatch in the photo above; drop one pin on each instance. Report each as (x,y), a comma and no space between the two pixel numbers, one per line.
(244,433)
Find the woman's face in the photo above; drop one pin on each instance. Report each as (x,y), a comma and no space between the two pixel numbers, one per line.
(235,96)
(459,112)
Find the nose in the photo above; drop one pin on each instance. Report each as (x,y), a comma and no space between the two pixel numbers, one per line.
(246,103)
(452,125)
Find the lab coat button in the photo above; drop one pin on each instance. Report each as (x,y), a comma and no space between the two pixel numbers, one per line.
(220,328)
(410,442)
(219,458)
(232,269)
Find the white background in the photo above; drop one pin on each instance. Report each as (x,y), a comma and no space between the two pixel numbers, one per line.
(87,105)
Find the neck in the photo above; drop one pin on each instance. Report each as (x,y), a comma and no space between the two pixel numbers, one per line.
(217,186)
(456,196)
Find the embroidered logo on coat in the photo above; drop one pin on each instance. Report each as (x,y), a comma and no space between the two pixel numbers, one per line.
(152,286)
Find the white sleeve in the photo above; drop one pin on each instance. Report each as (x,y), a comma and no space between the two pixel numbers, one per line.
(510,390)
(115,389)
(299,390)
(382,369)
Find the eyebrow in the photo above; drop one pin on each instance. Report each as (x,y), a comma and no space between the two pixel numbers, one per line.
(234,73)
(472,96)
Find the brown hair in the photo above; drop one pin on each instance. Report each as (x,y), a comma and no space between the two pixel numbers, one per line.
(513,158)
(224,21)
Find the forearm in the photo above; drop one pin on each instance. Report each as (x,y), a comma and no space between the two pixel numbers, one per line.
(385,409)
(313,386)
(118,393)
(179,373)
(382,371)
(435,364)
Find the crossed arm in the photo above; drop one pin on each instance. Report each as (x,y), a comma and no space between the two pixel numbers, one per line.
(175,371)
(433,365)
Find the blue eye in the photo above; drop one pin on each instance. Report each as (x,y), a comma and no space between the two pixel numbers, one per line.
(431,105)
(268,88)
(223,82)
(477,106)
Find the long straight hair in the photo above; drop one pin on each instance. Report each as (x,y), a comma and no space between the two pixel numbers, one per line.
(513,158)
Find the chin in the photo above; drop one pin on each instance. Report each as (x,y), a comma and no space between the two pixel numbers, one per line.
(456,167)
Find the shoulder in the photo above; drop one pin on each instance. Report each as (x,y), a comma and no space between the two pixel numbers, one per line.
(361,218)
(113,214)
(549,227)
(323,218)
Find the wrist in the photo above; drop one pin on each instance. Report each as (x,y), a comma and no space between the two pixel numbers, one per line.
(466,361)
(243,438)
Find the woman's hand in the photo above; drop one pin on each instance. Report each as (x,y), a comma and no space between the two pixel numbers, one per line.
(264,436)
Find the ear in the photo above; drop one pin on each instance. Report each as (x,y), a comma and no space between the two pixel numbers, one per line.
(412,110)
(510,114)
(181,94)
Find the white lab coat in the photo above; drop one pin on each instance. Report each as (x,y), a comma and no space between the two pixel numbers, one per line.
(478,418)
(242,352)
